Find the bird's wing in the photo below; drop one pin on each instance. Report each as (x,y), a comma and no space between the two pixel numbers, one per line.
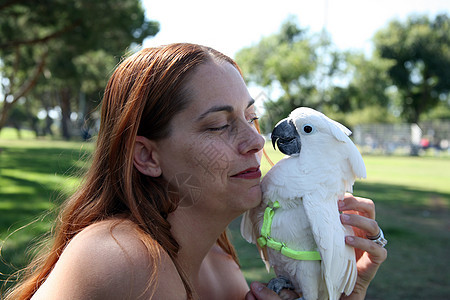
(338,260)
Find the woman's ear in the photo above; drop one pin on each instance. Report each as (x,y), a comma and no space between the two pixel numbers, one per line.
(146,157)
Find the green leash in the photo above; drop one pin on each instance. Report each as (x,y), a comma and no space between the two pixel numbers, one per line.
(266,240)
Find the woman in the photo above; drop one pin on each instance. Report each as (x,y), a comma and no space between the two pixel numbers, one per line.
(177,159)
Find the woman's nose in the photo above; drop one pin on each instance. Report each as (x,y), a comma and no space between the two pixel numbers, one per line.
(251,141)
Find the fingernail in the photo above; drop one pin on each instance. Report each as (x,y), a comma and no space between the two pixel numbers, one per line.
(258,286)
(350,239)
(345,217)
(341,204)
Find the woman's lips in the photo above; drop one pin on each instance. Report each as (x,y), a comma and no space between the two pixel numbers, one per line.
(250,173)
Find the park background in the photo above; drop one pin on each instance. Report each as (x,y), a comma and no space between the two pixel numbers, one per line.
(382,68)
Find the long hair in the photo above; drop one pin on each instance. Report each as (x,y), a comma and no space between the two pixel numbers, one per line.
(142,96)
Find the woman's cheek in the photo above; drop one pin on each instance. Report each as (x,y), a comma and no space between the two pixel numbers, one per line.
(212,160)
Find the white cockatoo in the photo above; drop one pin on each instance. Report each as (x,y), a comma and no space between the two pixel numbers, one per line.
(304,187)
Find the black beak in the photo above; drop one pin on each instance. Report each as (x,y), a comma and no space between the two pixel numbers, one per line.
(286,137)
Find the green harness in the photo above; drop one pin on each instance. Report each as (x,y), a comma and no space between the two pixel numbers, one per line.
(266,240)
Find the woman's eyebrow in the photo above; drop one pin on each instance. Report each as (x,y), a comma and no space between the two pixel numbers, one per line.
(226,108)
(217,108)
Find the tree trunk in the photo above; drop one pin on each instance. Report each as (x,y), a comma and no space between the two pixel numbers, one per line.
(32,118)
(48,125)
(4,113)
(65,113)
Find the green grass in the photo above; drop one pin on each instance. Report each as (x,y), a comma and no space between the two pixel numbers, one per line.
(34,176)
(12,134)
(412,196)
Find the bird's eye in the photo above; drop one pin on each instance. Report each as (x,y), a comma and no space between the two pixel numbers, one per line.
(308,129)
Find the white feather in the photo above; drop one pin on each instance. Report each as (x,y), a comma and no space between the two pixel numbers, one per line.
(308,187)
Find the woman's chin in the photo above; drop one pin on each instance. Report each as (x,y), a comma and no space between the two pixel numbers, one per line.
(254,197)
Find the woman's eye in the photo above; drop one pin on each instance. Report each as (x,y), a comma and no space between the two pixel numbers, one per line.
(252,120)
(219,128)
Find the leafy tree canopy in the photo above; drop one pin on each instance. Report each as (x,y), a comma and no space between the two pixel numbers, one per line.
(408,75)
(80,24)
(420,53)
(51,37)
(300,65)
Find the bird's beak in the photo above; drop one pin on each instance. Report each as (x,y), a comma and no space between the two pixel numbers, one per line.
(286,137)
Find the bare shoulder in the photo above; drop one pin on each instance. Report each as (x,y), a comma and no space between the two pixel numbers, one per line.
(220,277)
(108,260)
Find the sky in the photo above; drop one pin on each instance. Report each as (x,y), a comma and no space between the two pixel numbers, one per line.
(231,25)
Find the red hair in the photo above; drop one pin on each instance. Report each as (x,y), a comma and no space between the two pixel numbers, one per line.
(143,95)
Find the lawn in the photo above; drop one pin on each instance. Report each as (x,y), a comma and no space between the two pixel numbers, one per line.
(412,195)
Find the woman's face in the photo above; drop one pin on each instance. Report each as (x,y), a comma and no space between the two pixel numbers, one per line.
(212,155)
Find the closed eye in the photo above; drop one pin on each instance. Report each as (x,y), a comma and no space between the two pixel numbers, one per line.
(221,128)
(252,120)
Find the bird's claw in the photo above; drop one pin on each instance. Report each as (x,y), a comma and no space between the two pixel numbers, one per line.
(279,283)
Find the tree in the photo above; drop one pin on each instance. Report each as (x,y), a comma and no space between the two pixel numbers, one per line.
(293,62)
(95,66)
(368,84)
(420,52)
(49,35)
(367,95)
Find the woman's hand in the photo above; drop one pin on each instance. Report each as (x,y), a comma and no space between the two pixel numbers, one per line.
(259,291)
(360,213)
